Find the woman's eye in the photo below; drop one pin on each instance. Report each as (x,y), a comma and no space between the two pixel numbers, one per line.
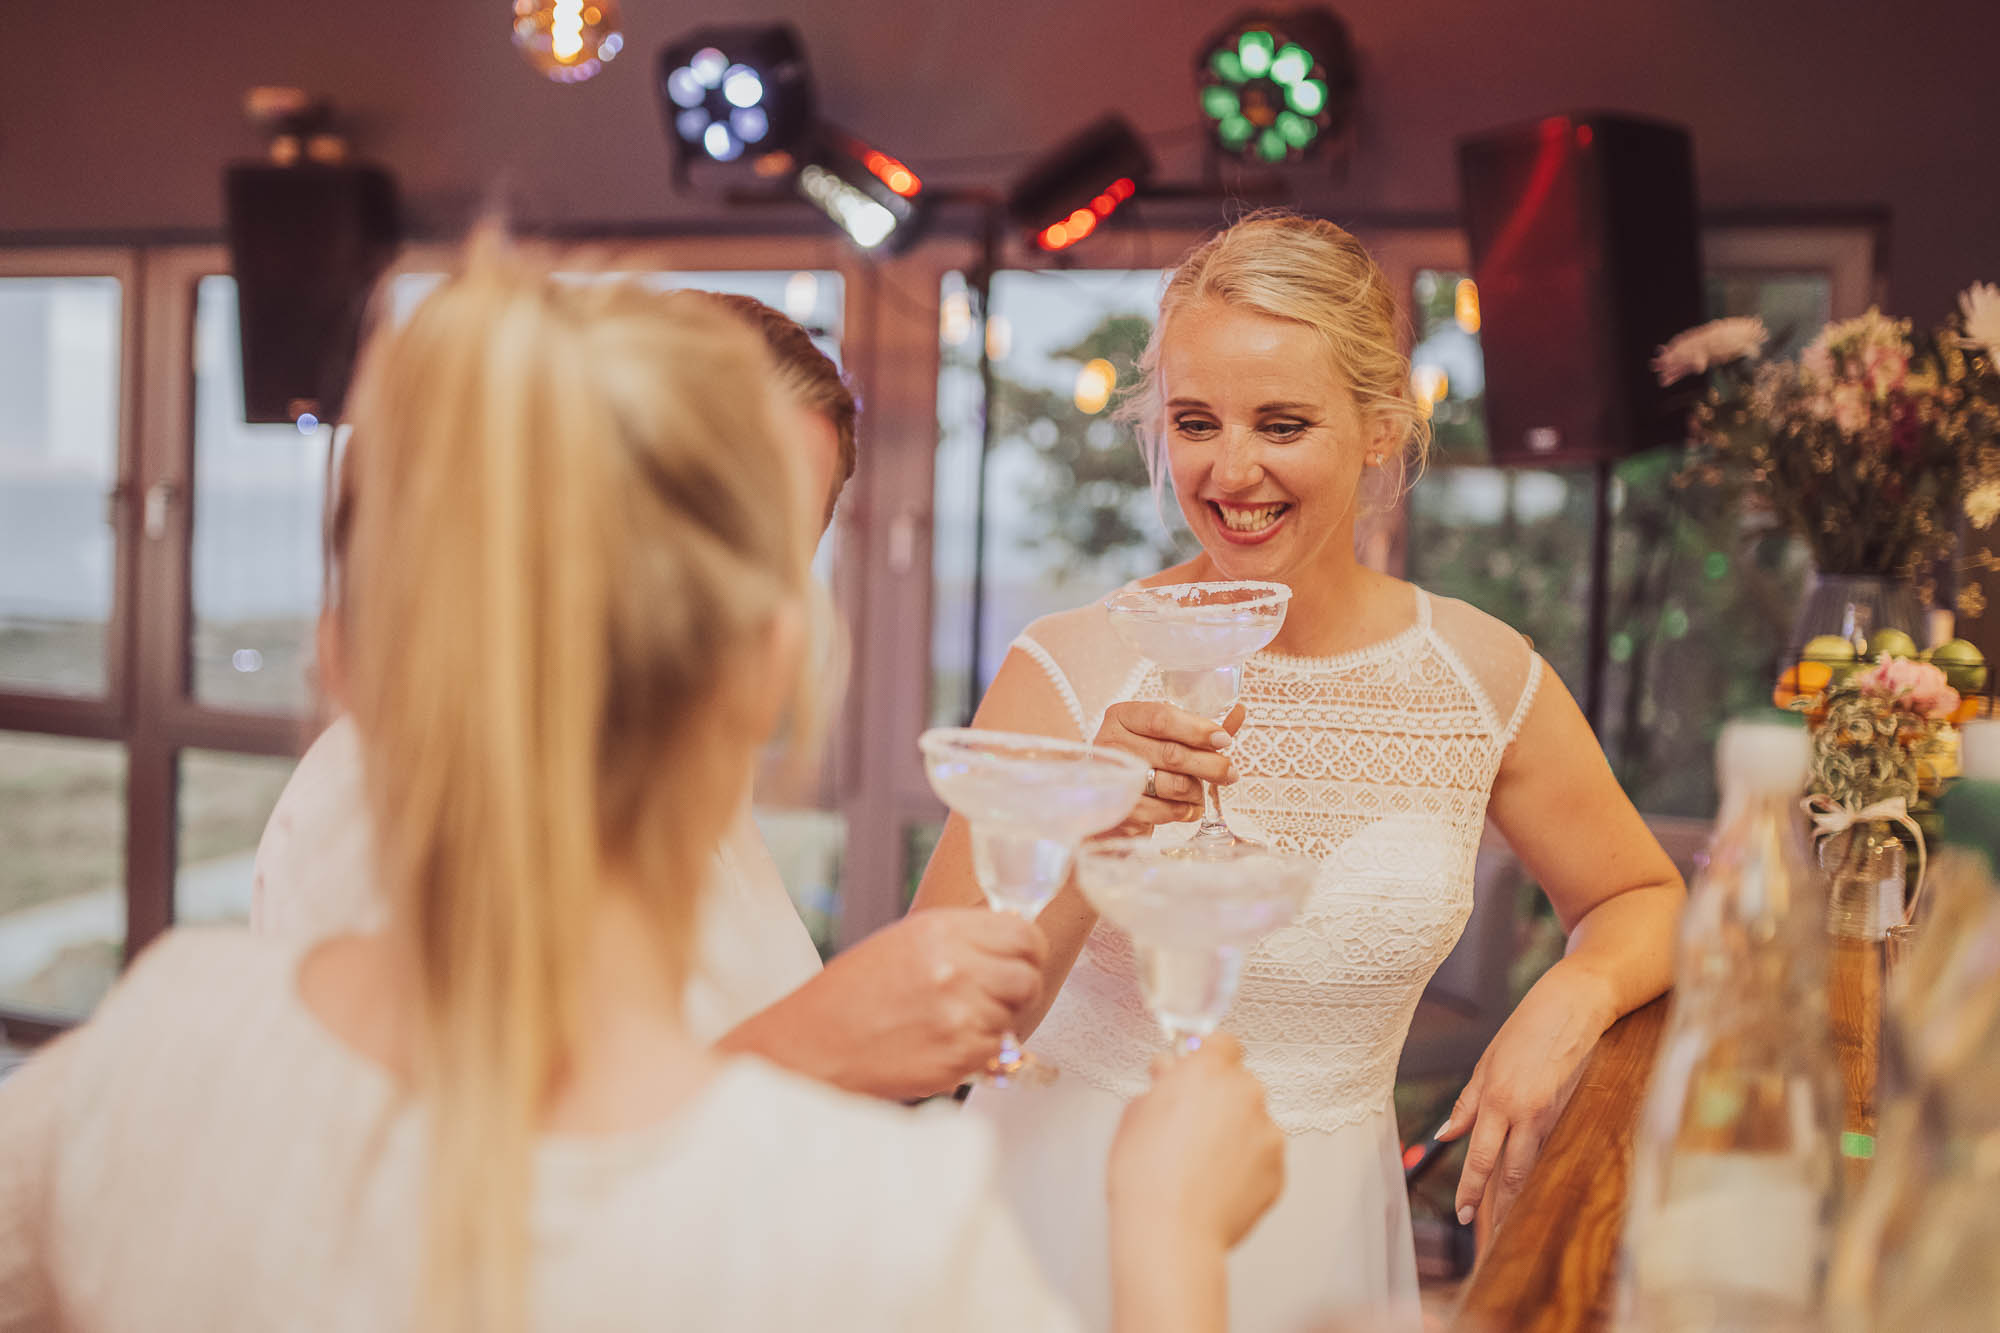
(1193,426)
(1285,430)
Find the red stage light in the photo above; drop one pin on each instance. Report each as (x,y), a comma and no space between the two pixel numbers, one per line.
(892,173)
(1584,135)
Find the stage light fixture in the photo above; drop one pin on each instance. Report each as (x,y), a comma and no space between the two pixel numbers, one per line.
(1276,86)
(1074,190)
(877,200)
(567,40)
(735,90)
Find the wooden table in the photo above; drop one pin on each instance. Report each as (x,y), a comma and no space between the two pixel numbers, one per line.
(1551,1265)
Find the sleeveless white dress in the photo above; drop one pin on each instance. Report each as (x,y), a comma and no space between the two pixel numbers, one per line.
(315,877)
(1379,763)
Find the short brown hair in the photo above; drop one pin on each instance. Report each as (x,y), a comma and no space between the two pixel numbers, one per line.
(807,373)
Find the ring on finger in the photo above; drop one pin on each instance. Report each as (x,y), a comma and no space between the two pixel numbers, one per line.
(1152,780)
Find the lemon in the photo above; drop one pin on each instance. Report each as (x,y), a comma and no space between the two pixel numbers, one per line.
(1828,648)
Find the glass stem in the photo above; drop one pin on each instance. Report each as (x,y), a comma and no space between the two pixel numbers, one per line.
(1213,826)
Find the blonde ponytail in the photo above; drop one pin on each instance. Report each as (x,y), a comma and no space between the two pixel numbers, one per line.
(565,535)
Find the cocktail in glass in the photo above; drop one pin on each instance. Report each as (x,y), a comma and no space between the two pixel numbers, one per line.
(1193,914)
(1029,801)
(1199,635)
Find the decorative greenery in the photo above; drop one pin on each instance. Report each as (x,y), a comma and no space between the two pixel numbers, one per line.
(1881,734)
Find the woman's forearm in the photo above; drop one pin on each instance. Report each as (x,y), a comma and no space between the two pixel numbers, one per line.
(1626,944)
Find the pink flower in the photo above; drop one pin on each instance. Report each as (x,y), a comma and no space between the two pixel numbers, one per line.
(1885,370)
(1817,362)
(1850,408)
(1916,687)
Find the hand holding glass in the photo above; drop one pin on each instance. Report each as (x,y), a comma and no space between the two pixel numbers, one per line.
(1029,801)
(1199,635)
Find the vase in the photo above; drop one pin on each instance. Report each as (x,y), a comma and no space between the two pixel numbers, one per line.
(1854,607)
(1865,871)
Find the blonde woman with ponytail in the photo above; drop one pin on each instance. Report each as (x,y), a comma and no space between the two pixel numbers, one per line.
(1379,733)
(573,613)
(909,1011)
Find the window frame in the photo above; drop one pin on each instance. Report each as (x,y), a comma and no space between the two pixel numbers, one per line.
(107,716)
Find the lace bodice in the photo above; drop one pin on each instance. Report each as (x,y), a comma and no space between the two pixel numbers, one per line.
(1378,763)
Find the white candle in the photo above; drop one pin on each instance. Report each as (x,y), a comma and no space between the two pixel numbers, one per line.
(1979,749)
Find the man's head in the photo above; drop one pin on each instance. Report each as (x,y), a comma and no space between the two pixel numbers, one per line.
(821,408)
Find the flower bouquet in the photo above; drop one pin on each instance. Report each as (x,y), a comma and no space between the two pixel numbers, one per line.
(1869,445)
(1882,749)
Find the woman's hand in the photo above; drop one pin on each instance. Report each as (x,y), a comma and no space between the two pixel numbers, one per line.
(1195,1163)
(1197,1149)
(1183,749)
(1522,1083)
(909,1011)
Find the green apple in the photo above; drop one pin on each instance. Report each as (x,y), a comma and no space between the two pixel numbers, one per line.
(1828,648)
(1891,643)
(1963,664)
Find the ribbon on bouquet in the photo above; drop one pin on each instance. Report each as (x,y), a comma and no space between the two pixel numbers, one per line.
(1830,817)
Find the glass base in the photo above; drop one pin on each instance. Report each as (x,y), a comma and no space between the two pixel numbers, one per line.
(1213,838)
(1016,1068)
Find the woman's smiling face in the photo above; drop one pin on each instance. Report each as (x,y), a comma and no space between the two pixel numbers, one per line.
(1263,440)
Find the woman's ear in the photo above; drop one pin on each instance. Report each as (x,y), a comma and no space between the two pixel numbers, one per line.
(765,689)
(1379,430)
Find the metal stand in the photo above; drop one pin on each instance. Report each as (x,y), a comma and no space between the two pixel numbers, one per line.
(1600,597)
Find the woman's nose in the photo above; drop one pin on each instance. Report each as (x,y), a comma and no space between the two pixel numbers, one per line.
(1237,467)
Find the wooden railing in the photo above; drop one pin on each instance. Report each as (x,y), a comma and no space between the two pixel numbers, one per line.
(1550,1266)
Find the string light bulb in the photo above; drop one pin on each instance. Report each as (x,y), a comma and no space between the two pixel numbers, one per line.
(567,41)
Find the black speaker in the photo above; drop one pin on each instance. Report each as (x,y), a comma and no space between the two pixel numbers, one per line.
(307,244)
(1587,252)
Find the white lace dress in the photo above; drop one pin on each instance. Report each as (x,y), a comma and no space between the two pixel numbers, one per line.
(1379,763)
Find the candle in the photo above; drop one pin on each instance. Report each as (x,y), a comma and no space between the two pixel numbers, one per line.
(1979,749)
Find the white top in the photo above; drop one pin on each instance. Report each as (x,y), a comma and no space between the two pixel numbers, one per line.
(204,1155)
(1378,763)
(315,877)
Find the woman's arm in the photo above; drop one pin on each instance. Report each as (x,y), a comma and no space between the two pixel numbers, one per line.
(1617,894)
(1180,746)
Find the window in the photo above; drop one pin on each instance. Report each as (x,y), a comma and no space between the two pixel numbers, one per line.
(62,898)
(259,497)
(1059,511)
(224,801)
(61,343)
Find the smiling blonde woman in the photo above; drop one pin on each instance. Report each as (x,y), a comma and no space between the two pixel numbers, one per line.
(1379,732)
